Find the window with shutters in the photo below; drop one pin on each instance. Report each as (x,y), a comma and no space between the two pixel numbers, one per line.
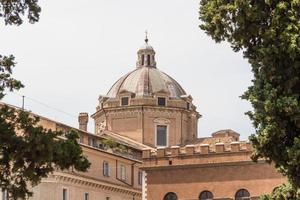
(140,177)
(161,135)
(92,142)
(123,173)
(106,169)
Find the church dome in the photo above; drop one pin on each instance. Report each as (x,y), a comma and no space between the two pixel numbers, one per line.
(146,81)
(148,106)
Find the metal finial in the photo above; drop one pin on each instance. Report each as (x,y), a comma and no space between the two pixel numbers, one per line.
(146,38)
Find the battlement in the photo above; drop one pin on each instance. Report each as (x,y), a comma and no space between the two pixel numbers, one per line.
(202,149)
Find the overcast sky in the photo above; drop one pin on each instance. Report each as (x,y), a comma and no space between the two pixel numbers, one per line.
(78,49)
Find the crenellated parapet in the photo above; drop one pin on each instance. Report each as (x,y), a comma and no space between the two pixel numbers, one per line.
(190,150)
(197,154)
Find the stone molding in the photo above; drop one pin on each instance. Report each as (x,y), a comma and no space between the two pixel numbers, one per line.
(202,165)
(81,180)
(161,121)
(146,108)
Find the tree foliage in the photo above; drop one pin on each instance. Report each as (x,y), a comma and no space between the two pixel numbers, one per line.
(115,146)
(29,152)
(13,11)
(267,32)
(6,81)
(283,192)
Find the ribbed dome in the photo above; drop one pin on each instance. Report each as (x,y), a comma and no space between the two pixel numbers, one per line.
(145,81)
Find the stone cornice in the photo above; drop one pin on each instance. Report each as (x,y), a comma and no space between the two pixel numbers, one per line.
(96,183)
(206,165)
(138,107)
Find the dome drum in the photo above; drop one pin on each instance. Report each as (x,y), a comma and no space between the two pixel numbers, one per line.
(138,99)
(182,103)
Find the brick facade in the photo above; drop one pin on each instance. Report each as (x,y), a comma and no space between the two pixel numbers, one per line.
(220,168)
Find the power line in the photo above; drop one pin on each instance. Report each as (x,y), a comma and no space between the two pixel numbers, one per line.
(42,104)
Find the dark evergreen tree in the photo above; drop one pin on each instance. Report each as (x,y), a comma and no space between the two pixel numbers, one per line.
(268,34)
(28,152)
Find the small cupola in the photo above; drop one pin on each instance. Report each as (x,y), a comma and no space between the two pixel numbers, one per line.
(146,55)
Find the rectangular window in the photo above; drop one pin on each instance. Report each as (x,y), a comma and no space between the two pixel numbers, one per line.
(93,142)
(161,135)
(101,146)
(125,101)
(106,169)
(140,178)
(86,196)
(123,173)
(81,139)
(161,101)
(65,194)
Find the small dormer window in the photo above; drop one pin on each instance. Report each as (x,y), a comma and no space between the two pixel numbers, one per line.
(125,101)
(161,101)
